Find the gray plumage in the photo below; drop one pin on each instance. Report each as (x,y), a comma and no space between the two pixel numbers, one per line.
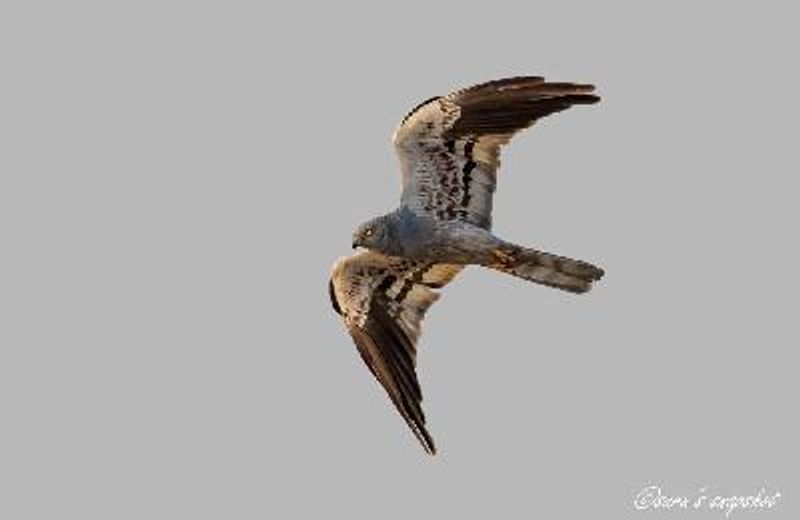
(449,151)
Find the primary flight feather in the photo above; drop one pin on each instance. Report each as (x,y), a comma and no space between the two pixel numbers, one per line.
(449,151)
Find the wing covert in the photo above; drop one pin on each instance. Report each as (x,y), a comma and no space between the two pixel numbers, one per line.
(449,146)
(382,301)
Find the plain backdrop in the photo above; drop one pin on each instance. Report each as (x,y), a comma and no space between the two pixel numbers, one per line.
(177,178)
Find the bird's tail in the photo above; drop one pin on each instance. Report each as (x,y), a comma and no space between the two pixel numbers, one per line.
(545,268)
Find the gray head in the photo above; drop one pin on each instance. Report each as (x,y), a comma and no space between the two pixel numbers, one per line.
(375,234)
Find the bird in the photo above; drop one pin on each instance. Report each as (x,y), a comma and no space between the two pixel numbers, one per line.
(449,152)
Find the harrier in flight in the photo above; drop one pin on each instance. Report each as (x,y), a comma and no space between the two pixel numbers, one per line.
(449,149)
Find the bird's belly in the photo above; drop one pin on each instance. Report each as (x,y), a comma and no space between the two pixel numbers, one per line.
(456,243)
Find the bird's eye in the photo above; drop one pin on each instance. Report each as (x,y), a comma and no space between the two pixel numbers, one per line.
(368,232)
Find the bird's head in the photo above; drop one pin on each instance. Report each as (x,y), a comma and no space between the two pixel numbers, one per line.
(373,234)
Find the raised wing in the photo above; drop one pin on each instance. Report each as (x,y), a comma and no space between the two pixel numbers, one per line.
(449,147)
(382,301)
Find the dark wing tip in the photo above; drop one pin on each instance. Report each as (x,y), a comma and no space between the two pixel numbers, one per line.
(427,442)
(577,99)
(514,82)
(515,105)
(389,354)
(585,99)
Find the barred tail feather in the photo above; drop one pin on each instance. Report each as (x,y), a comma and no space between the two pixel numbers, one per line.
(545,268)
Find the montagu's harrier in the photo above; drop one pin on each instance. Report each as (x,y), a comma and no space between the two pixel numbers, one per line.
(449,150)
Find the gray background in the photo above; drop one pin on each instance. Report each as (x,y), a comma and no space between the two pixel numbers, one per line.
(177,179)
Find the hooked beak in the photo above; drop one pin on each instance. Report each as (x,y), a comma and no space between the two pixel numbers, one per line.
(356,243)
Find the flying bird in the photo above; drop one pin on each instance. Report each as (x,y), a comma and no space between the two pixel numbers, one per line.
(449,151)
